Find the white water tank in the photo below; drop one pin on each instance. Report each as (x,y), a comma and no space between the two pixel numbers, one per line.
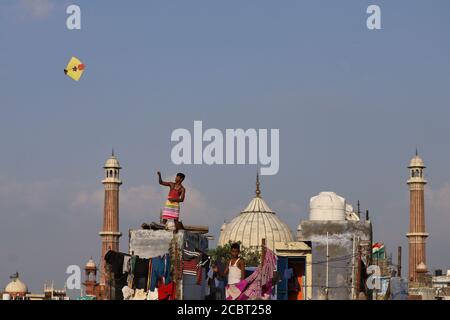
(327,206)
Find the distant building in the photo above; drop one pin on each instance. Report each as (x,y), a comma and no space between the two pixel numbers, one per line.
(441,281)
(92,287)
(341,247)
(442,285)
(17,290)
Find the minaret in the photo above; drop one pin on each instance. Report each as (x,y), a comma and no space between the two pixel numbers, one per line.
(416,235)
(110,233)
(91,279)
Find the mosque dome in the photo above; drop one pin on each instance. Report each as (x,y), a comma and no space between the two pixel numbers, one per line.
(112,162)
(421,267)
(416,162)
(91,264)
(256,222)
(327,206)
(16,286)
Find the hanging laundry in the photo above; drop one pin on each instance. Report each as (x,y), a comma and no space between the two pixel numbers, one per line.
(141,268)
(130,277)
(152,295)
(256,286)
(140,273)
(193,268)
(140,294)
(115,260)
(190,267)
(166,291)
(160,268)
(126,264)
(189,255)
(127,292)
(149,274)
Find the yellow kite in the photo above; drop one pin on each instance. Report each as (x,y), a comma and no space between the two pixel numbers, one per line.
(74,69)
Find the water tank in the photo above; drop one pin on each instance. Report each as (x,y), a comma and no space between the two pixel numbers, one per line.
(327,206)
(438,272)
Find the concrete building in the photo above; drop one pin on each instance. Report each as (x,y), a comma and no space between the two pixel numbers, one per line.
(153,243)
(340,245)
(417,234)
(256,222)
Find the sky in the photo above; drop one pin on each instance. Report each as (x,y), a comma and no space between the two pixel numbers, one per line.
(351,104)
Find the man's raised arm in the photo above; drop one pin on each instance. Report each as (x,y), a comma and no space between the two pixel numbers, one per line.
(161,182)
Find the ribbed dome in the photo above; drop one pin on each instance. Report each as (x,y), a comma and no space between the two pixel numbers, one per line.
(255,223)
(112,162)
(91,264)
(16,286)
(421,267)
(416,162)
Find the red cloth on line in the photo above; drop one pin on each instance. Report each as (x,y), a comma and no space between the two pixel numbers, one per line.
(192,266)
(166,292)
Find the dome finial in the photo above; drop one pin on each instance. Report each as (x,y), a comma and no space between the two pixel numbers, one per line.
(112,152)
(258,192)
(417,152)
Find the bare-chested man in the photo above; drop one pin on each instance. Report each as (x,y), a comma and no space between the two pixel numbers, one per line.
(176,195)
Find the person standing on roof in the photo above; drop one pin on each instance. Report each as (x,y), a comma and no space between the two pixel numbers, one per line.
(176,195)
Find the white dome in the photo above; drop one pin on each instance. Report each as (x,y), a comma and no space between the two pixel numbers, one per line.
(416,162)
(421,267)
(16,286)
(91,264)
(255,223)
(327,206)
(112,163)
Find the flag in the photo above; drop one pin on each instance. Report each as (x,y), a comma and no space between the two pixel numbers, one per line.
(378,250)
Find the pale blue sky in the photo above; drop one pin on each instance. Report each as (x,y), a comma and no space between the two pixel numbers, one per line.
(351,105)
